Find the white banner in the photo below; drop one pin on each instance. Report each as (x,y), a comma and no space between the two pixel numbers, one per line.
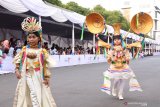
(6,65)
(60,60)
(70,60)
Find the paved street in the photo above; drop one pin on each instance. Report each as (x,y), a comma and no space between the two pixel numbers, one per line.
(79,86)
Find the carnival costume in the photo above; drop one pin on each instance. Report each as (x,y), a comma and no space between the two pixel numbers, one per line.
(33,66)
(118,58)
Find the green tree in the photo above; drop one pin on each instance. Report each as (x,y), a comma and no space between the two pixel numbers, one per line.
(117,17)
(55,2)
(112,17)
(101,10)
(76,8)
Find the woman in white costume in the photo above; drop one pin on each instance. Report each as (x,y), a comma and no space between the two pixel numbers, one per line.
(32,70)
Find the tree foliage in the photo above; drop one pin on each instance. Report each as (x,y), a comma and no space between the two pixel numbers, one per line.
(111,17)
(55,2)
(76,8)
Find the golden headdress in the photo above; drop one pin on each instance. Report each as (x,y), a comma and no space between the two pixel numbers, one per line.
(117,34)
(116,27)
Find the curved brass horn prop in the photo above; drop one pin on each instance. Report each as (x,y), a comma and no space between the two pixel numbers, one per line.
(141,23)
(95,23)
(136,45)
(101,43)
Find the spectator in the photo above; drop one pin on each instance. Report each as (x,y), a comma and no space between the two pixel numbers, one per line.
(45,45)
(5,46)
(53,50)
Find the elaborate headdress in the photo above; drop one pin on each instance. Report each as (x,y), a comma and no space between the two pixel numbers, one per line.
(117,34)
(116,27)
(30,25)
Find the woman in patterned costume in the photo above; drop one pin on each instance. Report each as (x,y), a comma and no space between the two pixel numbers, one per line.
(118,58)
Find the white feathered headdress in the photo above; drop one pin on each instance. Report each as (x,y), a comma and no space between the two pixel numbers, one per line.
(30,24)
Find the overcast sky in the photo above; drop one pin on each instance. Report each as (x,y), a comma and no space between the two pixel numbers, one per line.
(108,4)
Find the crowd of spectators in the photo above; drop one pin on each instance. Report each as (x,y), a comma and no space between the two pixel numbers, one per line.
(11,47)
(56,50)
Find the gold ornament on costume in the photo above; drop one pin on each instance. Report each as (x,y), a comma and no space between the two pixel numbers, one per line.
(30,24)
(116,27)
(141,23)
(119,56)
(31,55)
(95,23)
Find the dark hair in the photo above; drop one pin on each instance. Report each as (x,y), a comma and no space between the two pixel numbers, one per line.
(116,37)
(36,33)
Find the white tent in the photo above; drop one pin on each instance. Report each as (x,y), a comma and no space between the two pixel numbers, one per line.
(58,14)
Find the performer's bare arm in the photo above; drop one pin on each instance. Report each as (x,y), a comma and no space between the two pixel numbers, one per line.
(109,57)
(127,56)
(17,72)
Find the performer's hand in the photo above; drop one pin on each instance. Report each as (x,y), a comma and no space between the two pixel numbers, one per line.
(46,82)
(127,60)
(18,74)
(109,61)
(115,59)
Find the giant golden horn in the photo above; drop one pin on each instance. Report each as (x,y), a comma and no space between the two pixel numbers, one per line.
(141,23)
(136,44)
(95,23)
(101,43)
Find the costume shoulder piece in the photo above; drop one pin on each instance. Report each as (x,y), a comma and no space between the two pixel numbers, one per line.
(44,51)
(23,48)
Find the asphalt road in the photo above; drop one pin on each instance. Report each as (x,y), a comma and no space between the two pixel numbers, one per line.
(79,86)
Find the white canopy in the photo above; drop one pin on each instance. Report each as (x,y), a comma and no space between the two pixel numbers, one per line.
(58,14)
(40,8)
(14,6)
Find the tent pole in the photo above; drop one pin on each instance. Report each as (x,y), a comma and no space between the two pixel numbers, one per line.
(149,48)
(40,22)
(108,41)
(132,50)
(94,43)
(108,38)
(60,42)
(73,39)
(145,48)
